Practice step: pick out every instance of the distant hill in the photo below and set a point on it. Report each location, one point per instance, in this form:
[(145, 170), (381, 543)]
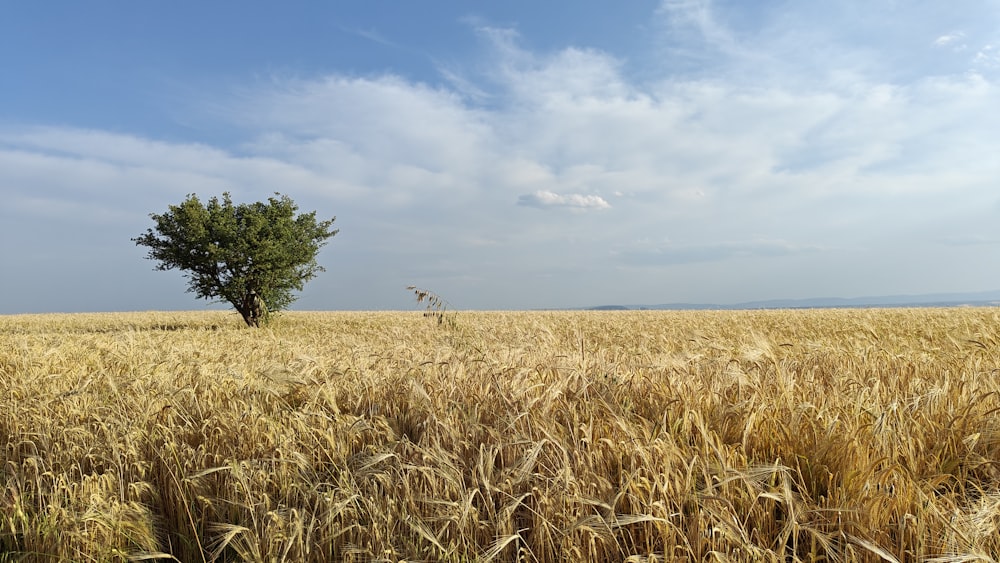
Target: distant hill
[(980, 299)]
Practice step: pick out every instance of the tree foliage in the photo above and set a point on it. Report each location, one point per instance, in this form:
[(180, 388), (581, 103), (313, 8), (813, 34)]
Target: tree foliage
[(250, 255)]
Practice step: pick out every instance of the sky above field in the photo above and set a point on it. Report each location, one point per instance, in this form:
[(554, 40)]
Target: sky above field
[(515, 154)]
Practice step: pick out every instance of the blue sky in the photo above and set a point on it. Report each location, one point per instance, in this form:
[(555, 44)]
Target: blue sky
[(510, 154)]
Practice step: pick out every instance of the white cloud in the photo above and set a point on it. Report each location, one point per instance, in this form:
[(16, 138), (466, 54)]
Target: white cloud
[(110, 148), (700, 16), (545, 198), (383, 117), (951, 39), (988, 56)]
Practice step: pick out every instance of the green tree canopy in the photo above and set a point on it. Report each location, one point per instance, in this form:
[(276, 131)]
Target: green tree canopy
[(250, 255)]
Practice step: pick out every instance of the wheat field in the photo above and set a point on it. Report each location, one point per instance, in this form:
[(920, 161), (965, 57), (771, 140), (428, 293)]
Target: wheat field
[(813, 435)]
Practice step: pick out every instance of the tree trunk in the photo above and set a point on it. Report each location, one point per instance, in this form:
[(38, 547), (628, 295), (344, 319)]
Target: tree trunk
[(252, 309), (249, 318)]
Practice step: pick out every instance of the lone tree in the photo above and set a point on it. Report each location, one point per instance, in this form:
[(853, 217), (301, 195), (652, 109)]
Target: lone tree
[(251, 255)]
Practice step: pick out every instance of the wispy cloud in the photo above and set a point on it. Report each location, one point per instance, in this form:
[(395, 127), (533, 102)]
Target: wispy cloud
[(371, 35), (988, 56), (954, 40), (973, 240), (674, 254), (699, 15)]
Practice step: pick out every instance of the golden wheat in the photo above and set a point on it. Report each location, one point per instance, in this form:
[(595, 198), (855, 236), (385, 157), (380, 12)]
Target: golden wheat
[(834, 435)]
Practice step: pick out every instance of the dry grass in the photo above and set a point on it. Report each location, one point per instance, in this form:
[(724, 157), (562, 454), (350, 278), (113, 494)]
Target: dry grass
[(618, 436)]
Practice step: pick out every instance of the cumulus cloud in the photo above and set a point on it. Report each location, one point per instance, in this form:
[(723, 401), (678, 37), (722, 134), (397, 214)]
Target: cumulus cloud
[(546, 199)]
